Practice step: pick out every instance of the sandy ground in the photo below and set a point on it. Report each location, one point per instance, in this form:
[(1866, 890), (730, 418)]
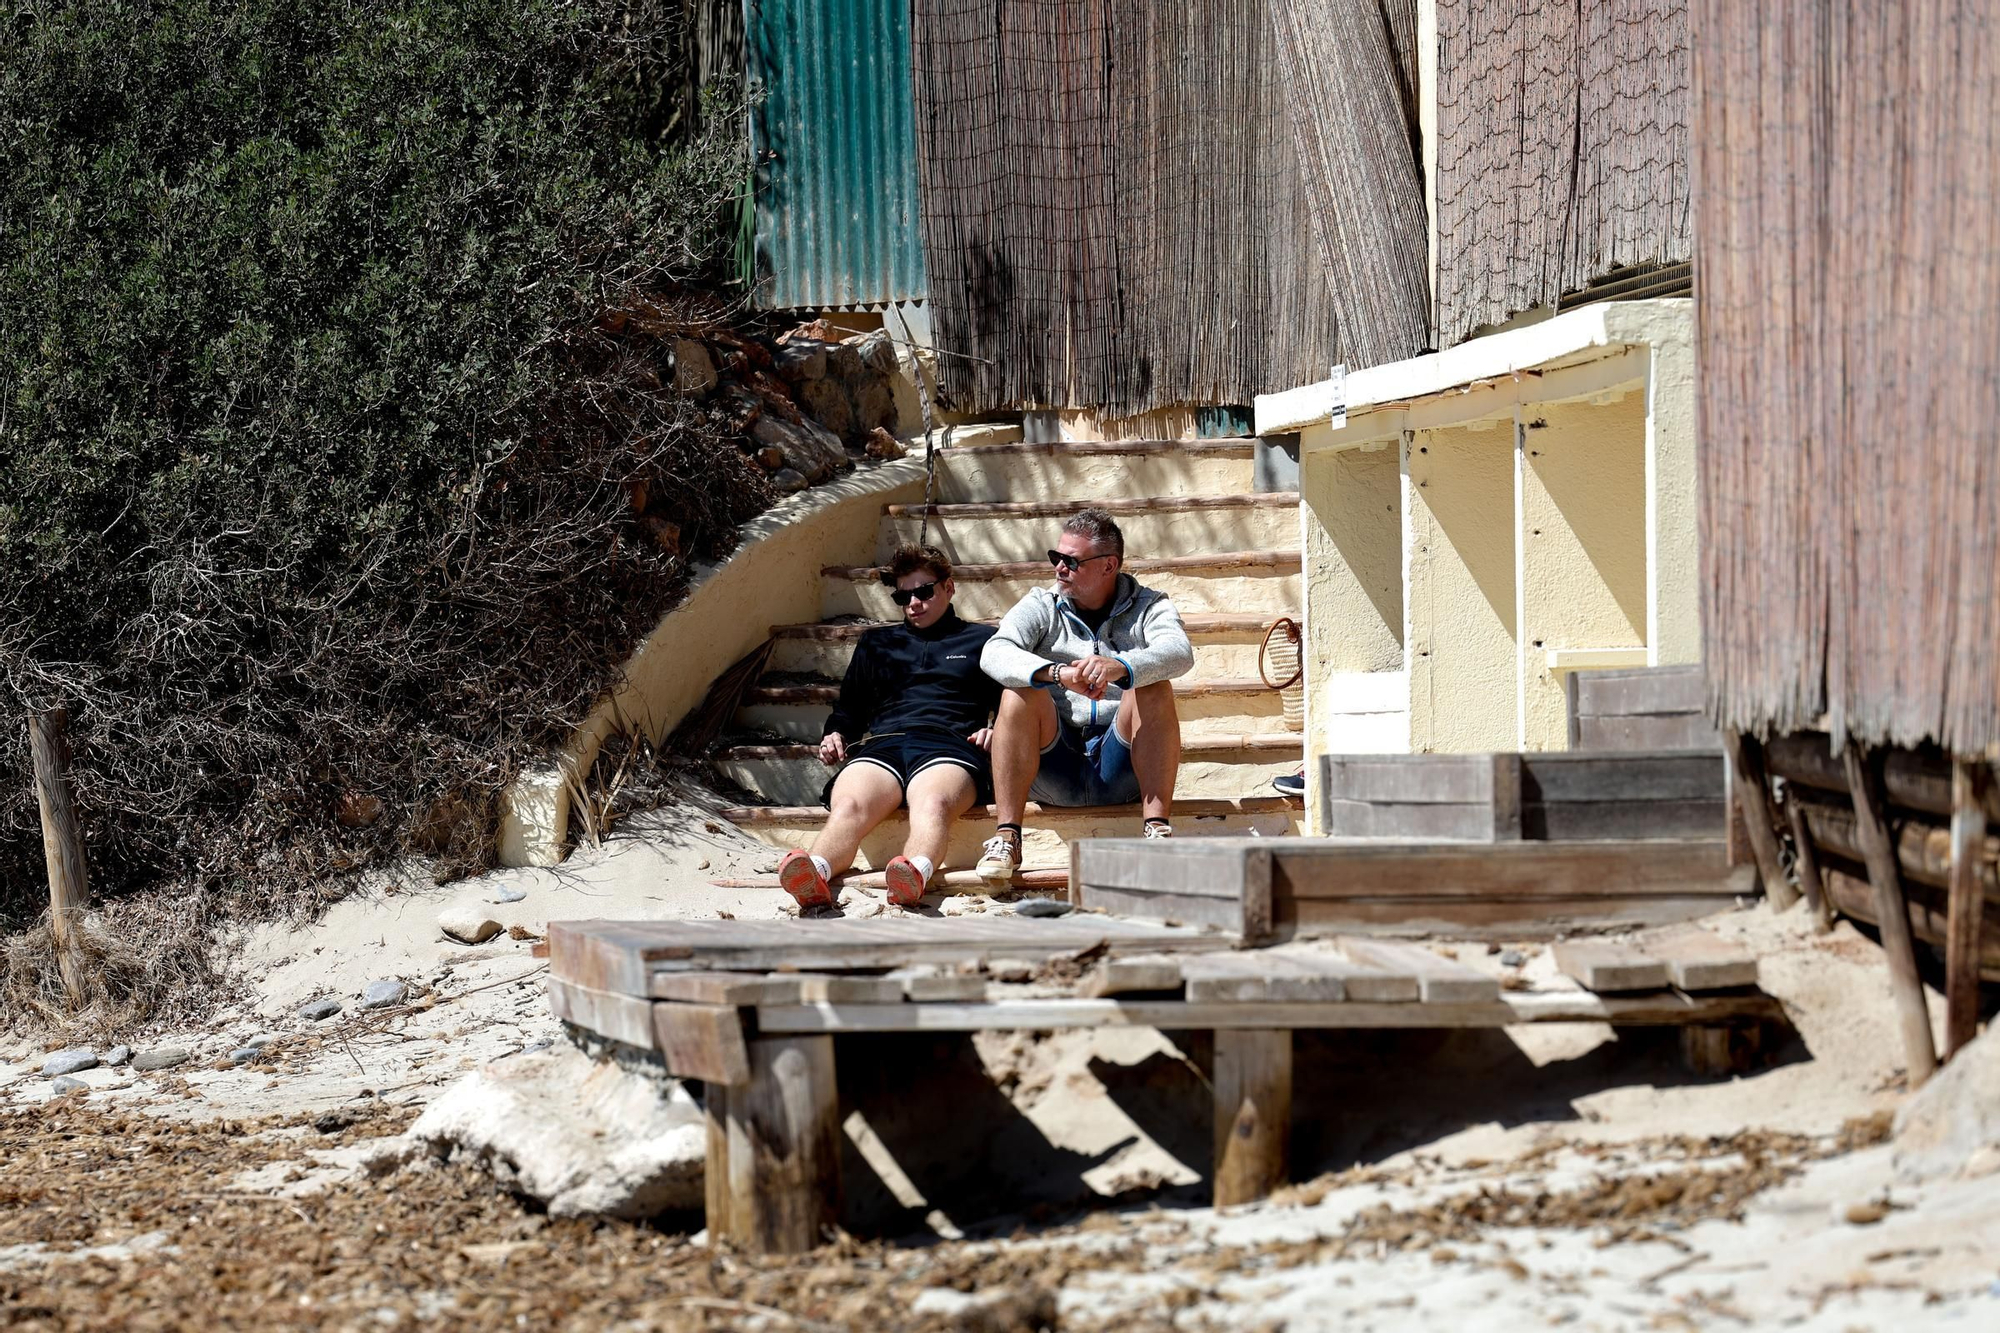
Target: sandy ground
[(1534, 1178)]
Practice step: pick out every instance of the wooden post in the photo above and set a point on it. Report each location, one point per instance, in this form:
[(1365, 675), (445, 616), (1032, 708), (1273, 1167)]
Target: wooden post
[(715, 1172), (1253, 1112), (1817, 901), (780, 1173), (1746, 762), (1965, 905), (1892, 916), (62, 844)]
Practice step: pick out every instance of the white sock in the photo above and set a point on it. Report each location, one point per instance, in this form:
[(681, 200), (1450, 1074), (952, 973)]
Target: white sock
[(924, 867), (825, 870)]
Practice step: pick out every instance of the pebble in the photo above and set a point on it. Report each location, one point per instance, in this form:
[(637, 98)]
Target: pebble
[(1513, 958), (381, 994), (506, 893), (164, 1058), (243, 1055), (332, 1122), (117, 1056), (319, 1009), (468, 923), (1866, 1213), (68, 1084), (71, 1061), (1042, 907)]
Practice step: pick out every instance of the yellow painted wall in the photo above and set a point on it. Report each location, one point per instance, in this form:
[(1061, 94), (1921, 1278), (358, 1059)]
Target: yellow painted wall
[(1675, 632), (1583, 545), (1352, 552), (1459, 536)]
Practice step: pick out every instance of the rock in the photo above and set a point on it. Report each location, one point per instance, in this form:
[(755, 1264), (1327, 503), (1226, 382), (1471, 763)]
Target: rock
[(468, 923), (874, 405), (68, 1084), (1863, 1214), (694, 368), (1512, 958), (243, 1055), (582, 1136), (826, 402), (507, 893), (382, 994), (788, 481), (807, 447), (801, 360), (319, 1009), (1954, 1115), (770, 458), (1983, 1162), (164, 1058), (881, 444), (74, 1060), (878, 352), (843, 362), (995, 1310), (116, 1056), (332, 1122), (1042, 907)]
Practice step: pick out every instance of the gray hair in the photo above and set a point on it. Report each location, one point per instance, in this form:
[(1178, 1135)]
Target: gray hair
[(1096, 527)]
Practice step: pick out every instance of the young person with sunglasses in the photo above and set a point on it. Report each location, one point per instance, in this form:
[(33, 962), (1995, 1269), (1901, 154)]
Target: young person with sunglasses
[(910, 728), (1088, 714)]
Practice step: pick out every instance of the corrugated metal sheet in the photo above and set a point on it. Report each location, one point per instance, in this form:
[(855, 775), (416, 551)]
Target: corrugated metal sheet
[(837, 214), (1846, 323)]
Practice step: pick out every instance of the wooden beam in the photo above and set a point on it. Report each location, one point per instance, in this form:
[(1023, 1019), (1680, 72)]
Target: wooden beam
[(1253, 1113), (1746, 760), (62, 846), (1697, 959), (780, 1174), (1600, 965), (703, 1041), (1807, 863), (1892, 915), (1966, 903)]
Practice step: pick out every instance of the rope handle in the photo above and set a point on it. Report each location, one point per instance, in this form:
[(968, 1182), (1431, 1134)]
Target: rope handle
[(1292, 632)]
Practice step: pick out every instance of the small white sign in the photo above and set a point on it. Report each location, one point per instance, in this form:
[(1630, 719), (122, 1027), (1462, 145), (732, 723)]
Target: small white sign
[(1336, 384)]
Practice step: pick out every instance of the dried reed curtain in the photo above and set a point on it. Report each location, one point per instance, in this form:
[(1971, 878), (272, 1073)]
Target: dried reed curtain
[(1350, 73), (1848, 163), (1113, 212), (1562, 149)]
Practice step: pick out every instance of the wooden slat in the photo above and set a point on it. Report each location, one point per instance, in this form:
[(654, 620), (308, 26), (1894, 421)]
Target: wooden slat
[(1965, 902), (1443, 779), (1622, 777), (1811, 882), (703, 1041), (780, 1139), (1406, 820), (1753, 796), (624, 1018), (1266, 975), (822, 989), (1220, 447), (1221, 562), (1125, 976), (930, 983), (1891, 915), (1571, 821), (1641, 690), (1599, 965), (1697, 960), (736, 988), (1671, 731), (1440, 980), (1154, 504), (1316, 868)]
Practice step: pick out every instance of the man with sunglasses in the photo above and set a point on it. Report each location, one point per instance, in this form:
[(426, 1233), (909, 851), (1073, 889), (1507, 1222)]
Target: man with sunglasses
[(1088, 714), (910, 727)]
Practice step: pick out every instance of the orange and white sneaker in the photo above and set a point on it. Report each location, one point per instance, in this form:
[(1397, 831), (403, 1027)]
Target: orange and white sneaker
[(906, 882), (798, 876)]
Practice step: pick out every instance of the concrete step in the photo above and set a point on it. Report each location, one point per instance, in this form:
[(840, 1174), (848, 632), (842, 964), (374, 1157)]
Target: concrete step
[(1019, 472), (1229, 705), (1211, 767), (1225, 643), (1047, 830), (1004, 532), (1254, 582)]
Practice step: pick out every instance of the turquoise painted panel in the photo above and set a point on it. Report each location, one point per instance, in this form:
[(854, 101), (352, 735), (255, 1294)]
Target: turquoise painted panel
[(835, 138)]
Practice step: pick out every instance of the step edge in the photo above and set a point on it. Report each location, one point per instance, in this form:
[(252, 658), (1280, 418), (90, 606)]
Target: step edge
[(1192, 808), (1158, 504), (1281, 559)]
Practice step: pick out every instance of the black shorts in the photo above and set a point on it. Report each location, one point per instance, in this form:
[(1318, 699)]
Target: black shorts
[(908, 753)]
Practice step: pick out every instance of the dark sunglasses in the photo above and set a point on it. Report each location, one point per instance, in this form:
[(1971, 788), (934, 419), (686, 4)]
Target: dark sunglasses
[(904, 596), (1072, 563)]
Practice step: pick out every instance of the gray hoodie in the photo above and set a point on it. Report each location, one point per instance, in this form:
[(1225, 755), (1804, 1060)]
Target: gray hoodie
[(1143, 631)]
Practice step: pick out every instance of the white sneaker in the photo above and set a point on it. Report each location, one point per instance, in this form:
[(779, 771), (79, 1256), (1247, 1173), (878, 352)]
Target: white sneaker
[(1152, 831), (999, 859)]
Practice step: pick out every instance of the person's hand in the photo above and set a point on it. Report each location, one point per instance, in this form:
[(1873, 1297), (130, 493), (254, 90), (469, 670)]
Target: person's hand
[(983, 738), (1094, 674), (833, 750)]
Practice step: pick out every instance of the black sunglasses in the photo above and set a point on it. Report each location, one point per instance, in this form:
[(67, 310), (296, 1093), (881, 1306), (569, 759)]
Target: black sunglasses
[(904, 596), (1072, 563)]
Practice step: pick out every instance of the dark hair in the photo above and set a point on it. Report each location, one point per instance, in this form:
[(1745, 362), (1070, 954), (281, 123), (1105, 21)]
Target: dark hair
[(911, 558), (1097, 527)]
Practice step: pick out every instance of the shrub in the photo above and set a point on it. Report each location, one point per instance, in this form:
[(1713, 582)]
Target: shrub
[(325, 427)]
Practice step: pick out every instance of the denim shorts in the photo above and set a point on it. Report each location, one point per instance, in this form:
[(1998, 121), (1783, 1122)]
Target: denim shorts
[(1080, 768)]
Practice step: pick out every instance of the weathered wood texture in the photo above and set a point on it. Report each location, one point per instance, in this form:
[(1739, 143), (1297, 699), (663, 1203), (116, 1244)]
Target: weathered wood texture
[(1562, 150), (1205, 882), (62, 845), (1753, 799), (700, 1041), (780, 1138), (1891, 916), (1925, 908), (1967, 903), (1091, 174), (1811, 883), (1845, 156), (1601, 965), (1253, 1113), (1644, 708), (1917, 779)]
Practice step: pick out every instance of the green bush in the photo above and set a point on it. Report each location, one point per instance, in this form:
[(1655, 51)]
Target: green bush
[(321, 421)]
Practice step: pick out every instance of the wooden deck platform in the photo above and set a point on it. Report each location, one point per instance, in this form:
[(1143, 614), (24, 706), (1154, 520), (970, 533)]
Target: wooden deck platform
[(753, 1009)]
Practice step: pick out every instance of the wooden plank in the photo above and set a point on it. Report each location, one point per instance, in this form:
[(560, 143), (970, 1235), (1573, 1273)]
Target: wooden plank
[(1711, 1050), (782, 1158), (1440, 980), (1663, 689), (1509, 786), (1644, 731), (1892, 916), (1315, 868), (823, 989), (1509, 919), (1437, 779), (1158, 504), (703, 1041), (715, 1174), (1568, 821), (1929, 913), (622, 1018), (1259, 911), (62, 847), (1697, 960), (1600, 965), (1125, 976), (1910, 780), (1253, 1113), (1806, 862), (1645, 1009), (1965, 902), (1186, 870), (1746, 758), (1406, 820), (1692, 776), (1259, 975), (734, 988)]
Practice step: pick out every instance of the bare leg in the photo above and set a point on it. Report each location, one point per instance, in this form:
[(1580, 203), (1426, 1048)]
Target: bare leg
[(1151, 725), (1025, 724), (938, 796), (863, 796)]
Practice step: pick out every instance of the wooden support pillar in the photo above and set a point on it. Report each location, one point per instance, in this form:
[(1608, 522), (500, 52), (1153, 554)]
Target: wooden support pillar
[(62, 845), (1710, 1050), (1810, 880), (1753, 795), (1253, 1112), (1892, 915), (776, 1186), (1965, 905)]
